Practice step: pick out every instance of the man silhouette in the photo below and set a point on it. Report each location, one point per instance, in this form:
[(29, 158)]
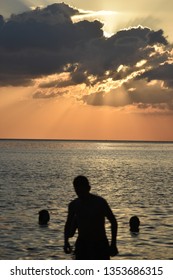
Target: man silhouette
[(87, 213)]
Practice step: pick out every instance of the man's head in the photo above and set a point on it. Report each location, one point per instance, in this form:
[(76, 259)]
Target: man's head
[(81, 186), (44, 217), (134, 224)]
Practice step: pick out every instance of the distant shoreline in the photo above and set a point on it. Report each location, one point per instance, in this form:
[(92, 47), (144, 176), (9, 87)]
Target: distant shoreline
[(87, 140)]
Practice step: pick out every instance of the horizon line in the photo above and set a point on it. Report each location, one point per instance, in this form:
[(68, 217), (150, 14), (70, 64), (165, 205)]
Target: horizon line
[(86, 140)]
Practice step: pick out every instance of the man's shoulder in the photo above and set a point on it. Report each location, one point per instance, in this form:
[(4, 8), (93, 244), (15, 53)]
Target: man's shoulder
[(74, 202), (98, 198)]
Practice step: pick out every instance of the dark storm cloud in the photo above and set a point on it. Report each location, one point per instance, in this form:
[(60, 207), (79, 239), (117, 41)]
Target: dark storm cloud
[(157, 37), (1, 22), (42, 42), (162, 72), (126, 47), (47, 29), (46, 41)]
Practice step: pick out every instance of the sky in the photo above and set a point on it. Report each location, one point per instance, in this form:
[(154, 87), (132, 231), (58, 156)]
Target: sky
[(94, 70)]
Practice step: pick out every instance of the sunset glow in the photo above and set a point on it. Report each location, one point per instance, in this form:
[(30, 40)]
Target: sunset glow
[(83, 71)]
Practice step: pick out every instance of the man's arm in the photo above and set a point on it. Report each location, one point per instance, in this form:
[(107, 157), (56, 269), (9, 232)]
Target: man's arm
[(114, 228), (68, 230)]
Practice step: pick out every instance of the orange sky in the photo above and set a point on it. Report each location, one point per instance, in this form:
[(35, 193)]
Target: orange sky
[(24, 117)]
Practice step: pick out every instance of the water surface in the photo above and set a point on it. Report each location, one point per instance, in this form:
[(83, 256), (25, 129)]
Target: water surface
[(135, 178)]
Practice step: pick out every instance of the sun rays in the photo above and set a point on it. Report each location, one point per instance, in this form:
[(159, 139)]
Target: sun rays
[(85, 70)]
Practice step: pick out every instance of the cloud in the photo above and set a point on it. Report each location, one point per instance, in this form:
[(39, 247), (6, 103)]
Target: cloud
[(44, 42), (47, 95), (143, 96), (163, 72), (114, 98), (156, 37), (2, 22)]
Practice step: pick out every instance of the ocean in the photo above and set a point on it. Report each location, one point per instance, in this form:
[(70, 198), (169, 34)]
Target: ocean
[(136, 178)]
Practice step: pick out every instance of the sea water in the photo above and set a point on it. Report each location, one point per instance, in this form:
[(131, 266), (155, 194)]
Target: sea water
[(136, 178)]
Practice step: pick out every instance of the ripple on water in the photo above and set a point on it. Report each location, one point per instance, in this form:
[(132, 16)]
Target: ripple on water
[(135, 179)]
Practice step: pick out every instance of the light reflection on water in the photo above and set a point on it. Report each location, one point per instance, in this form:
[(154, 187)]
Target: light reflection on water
[(134, 178)]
